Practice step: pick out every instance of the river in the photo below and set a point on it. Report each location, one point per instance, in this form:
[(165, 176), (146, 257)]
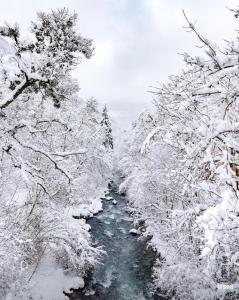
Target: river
[(126, 270)]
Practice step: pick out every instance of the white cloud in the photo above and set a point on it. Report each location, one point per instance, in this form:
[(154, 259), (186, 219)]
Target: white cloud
[(136, 41), (103, 54), (165, 15)]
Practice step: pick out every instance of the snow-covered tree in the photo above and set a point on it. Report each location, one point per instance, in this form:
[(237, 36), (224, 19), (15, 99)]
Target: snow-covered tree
[(42, 63), (47, 153), (106, 125), (183, 182)]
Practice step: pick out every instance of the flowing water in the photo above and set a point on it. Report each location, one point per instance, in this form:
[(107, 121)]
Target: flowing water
[(126, 271)]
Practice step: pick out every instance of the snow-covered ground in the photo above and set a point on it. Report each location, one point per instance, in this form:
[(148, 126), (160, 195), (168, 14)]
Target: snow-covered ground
[(48, 283)]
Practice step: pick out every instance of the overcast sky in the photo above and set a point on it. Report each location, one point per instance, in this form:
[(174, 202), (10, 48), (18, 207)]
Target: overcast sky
[(137, 43)]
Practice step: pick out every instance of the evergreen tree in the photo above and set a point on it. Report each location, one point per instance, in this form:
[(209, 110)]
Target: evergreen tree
[(105, 123), (41, 65)]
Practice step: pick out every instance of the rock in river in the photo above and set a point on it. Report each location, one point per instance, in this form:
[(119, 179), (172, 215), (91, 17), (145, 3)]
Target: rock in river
[(134, 231)]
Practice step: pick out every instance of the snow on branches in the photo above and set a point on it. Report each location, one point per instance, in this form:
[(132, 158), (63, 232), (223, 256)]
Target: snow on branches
[(40, 65), (183, 175), (52, 162)]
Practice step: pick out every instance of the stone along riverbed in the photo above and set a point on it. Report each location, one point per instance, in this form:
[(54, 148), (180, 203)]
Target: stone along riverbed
[(126, 270)]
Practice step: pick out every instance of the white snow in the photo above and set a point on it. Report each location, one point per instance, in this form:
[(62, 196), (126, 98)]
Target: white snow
[(48, 283), (134, 231)]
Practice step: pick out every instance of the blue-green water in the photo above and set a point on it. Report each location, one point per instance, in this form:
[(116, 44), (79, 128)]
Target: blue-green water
[(126, 271)]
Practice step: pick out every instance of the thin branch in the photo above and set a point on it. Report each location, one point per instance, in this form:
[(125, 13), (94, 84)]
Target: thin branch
[(212, 52)]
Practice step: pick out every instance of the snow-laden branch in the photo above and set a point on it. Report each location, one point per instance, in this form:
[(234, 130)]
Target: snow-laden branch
[(211, 50), (47, 155), (148, 139), (27, 82), (13, 95), (206, 93), (70, 153)]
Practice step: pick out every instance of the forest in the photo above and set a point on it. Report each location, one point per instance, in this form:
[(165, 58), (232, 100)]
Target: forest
[(89, 212)]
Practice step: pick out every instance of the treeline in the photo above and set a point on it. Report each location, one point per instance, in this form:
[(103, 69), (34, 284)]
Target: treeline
[(182, 175)]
